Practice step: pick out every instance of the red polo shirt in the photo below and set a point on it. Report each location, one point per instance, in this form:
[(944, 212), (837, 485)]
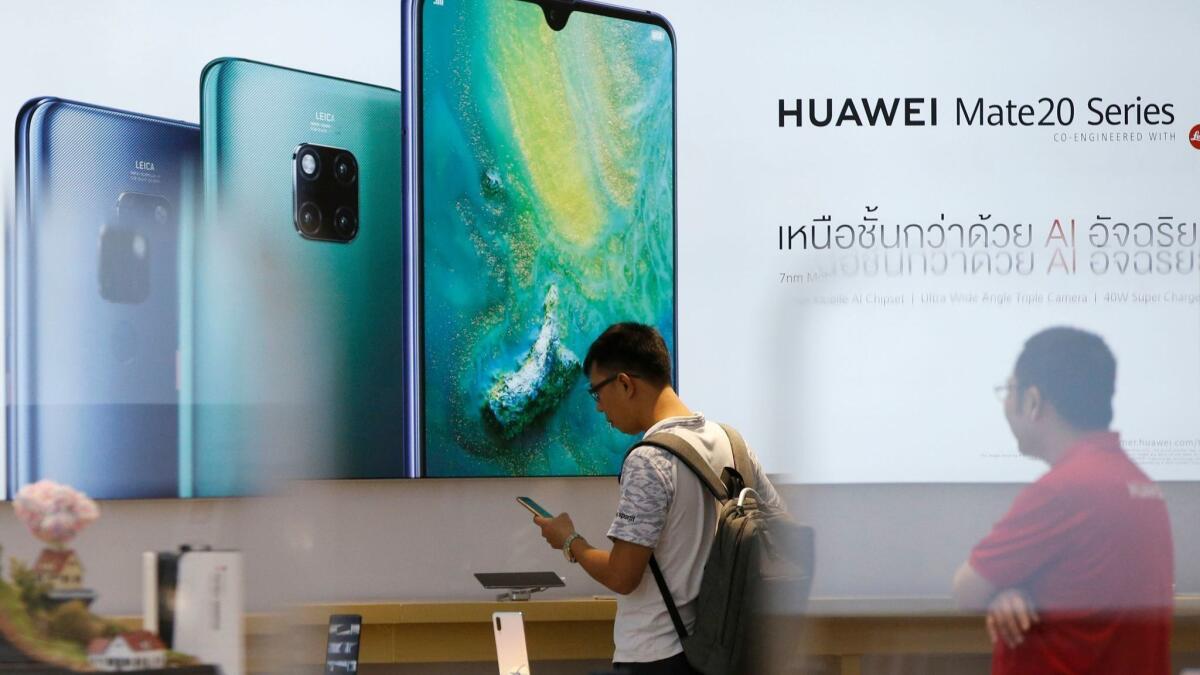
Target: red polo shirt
[(1090, 543)]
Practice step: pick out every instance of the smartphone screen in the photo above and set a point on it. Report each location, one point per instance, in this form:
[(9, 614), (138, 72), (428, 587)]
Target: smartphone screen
[(545, 212), (341, 650)]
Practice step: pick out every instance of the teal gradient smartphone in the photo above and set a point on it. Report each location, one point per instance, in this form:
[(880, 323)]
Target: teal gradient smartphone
[(534, 507), (294, 334)]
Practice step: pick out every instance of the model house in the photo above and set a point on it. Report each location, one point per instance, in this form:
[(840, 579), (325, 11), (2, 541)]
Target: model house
[(133, 650), (60, 568)]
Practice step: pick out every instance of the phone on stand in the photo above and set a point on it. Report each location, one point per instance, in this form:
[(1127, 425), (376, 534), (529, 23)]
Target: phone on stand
[(341, 649), (511, 654)]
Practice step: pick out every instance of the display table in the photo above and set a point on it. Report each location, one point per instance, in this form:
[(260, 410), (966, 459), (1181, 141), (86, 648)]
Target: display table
[(421, 632), (842, 630), (430, 632)]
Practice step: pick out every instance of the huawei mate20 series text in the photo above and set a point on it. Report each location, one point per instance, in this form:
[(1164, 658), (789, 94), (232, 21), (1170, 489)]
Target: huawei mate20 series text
[(295, 356), (102, 197), (541, 150)]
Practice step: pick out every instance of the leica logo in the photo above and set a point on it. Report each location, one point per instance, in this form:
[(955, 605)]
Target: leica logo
[(143, 165), (325, 116)]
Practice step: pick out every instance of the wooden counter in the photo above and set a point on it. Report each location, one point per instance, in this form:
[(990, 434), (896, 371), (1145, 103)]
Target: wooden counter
[(427, 632), (462, 631)]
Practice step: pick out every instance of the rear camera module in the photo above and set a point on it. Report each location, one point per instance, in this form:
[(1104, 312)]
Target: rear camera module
[(310, 163), (346, 222), (345, 168), (124, 265), (126, 248), (308, 218), (325, 193)]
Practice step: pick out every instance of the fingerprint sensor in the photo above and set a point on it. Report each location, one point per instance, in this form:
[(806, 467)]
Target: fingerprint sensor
[(124, 342)]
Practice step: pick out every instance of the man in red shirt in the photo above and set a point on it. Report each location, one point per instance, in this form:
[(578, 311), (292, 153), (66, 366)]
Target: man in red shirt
[(1078, 576)]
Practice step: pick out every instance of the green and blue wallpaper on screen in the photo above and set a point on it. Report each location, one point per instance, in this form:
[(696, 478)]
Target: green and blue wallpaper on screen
[(547, 214)]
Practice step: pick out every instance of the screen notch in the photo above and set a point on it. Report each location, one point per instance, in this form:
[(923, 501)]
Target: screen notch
[(557, 12)]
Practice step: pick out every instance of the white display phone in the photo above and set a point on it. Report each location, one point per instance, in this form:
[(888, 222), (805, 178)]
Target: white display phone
[(511, 655), (209, 609)]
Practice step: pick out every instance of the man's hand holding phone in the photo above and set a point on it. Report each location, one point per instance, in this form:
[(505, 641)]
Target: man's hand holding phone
[(555, 529)]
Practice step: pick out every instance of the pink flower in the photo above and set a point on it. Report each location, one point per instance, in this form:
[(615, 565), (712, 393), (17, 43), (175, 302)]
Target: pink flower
[(54, 513)]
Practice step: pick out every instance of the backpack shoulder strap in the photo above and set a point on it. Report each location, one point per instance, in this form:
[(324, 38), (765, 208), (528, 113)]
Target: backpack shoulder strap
[(688, 455), (741, 456), (704, 471), (672, 610)]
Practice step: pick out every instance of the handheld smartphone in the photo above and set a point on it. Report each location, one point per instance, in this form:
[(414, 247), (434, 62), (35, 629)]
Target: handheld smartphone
[(92, 322), (511, 653), (541, 192), (341, 648), (295, 361), (534, 507)]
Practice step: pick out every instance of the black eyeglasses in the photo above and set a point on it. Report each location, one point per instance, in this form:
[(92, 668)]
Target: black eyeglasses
[(594, 390)]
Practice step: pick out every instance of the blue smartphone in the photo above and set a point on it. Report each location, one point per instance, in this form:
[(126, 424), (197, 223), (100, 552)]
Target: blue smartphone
[(92, 322), (534, 507), (294, 351), (541, 194)]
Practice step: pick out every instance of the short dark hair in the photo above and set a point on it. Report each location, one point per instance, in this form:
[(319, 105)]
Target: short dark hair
[(1074, 370), (631, 348)]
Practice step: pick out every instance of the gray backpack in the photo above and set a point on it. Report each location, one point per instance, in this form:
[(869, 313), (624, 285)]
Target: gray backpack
[(761, 563)]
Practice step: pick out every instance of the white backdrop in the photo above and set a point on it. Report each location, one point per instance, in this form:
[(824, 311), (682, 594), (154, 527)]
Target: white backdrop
[(877, 393)]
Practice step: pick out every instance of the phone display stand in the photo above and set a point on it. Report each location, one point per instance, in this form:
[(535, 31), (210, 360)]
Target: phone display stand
[(518, 594), (519, 586)]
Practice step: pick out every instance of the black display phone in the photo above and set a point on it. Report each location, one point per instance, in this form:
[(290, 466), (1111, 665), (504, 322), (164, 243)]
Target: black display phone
[(341, 650), (502, 580)]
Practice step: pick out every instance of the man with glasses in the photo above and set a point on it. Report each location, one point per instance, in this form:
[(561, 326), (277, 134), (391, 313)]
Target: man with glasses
[(662, 510), (1077, 577)]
